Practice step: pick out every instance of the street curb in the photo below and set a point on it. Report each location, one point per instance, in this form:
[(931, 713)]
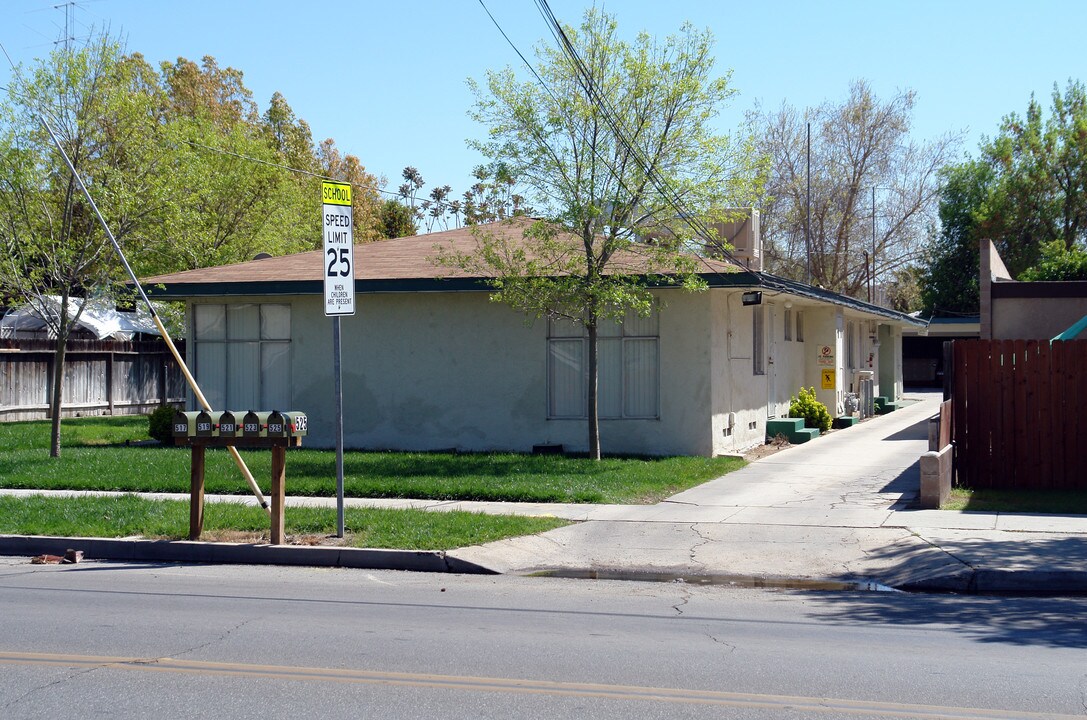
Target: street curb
[(969, 582), (240, 554), (1003, 582), (976, 582)]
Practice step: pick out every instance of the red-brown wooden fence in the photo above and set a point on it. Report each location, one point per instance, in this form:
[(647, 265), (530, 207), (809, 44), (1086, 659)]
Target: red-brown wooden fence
[(1020, 413)]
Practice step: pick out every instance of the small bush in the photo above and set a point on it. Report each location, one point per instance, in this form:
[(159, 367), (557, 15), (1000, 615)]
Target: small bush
[(815, 413), (160, 424)]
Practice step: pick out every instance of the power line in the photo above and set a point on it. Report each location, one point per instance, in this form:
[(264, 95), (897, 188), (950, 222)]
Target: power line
[(595, 97), (581, 73)]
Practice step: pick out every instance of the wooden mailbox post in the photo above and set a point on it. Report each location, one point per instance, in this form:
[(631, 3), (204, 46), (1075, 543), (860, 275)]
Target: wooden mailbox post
[(274, 430)]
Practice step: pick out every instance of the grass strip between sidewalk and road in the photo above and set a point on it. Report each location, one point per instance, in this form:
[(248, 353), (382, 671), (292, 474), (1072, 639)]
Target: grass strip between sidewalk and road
[(129, 516), (94, 457), (1062, 502)]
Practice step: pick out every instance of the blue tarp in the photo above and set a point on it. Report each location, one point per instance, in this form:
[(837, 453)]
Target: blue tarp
[(1073, 332)]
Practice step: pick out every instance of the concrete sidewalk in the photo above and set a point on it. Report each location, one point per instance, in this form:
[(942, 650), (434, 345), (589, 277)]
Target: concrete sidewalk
[(835, 509), (832, 509)]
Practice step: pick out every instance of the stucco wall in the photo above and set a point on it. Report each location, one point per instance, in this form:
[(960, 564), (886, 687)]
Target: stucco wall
[(739, 396), (1023, 318), (823, 326), (426, 371), (446, 370), (788, 372)]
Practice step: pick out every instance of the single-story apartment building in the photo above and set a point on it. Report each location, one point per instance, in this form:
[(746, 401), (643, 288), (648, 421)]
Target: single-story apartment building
[(430, 362)]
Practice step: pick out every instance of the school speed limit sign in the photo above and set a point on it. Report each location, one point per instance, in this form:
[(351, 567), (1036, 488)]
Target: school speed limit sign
[(339, 259)]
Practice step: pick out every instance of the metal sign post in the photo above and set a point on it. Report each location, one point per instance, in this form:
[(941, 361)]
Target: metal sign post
[(339, 271)]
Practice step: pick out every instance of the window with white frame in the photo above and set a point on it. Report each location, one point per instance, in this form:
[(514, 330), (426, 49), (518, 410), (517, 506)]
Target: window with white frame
[(628, 374), (242, 355), (799, 326), (758, 340), (788, 324)]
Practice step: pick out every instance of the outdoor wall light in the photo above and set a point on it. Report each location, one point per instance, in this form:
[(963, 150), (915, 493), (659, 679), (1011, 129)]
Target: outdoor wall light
[(752, 298)]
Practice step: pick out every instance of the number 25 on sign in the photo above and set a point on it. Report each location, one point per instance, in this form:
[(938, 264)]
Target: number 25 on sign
[(339, 246)]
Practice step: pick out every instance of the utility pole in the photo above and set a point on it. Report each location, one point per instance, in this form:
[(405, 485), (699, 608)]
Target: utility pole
[(872, 292), (807, 212)]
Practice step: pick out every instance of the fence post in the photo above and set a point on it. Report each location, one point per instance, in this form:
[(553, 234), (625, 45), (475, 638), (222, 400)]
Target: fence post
[(109, 382)]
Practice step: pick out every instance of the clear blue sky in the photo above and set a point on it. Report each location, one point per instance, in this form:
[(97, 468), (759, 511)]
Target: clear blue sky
[(387, 79)]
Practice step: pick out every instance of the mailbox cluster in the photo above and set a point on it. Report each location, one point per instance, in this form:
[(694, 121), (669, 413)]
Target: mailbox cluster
[(227, 424), (273, 430)]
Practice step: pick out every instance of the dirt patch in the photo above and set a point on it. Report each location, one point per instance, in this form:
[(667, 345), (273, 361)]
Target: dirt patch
[(766, 449), (256, 538)]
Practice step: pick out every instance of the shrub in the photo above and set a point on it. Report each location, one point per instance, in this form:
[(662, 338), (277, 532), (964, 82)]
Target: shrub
[(815, 413), (160, 424)]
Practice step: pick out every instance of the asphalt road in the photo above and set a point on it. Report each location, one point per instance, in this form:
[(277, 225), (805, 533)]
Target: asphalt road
[(167, 641)]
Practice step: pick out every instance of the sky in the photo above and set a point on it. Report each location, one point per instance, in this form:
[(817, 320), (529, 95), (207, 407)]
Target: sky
[(387, 80)]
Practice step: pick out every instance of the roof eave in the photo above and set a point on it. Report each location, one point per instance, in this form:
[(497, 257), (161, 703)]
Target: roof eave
[(753, 279)]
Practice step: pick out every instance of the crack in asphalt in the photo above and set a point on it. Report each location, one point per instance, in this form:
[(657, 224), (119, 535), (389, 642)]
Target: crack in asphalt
[(59, 681), (220, 638), (694, 548), (719, 641), (684, 600)]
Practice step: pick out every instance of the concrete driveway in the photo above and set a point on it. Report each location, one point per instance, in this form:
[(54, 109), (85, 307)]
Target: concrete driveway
[(836, 508)]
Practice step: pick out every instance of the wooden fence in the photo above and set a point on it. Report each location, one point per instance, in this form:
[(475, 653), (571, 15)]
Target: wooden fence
[(101, 377), (1019, 415)]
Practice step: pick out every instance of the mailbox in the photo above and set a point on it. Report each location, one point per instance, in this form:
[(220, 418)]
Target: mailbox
[(297, 423), (185, 424), (226, 424), (255, 424), (205, 426), (276, 425)]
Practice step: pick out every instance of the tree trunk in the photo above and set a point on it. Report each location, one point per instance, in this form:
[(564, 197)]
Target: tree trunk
[(594, 415), (55, 402)]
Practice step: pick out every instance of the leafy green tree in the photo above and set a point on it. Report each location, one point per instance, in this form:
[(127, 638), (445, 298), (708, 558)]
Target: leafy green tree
[(604, 147), (366, 205), (1039, 188), (397, 220), (1058, 262), (208, 90), (231, 196), (950, 273), (52, 242), (1027, 192)]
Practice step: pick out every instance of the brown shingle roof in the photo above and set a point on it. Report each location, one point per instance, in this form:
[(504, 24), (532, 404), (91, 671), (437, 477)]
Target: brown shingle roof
[(400, 259), (407, 265)]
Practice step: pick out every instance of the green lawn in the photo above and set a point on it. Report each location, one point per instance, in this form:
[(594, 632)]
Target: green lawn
[(91, 459), (133, 516), (1065, 502)]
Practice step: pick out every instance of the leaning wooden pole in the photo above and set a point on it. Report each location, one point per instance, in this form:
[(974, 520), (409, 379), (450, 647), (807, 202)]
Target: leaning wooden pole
[(154, 315)]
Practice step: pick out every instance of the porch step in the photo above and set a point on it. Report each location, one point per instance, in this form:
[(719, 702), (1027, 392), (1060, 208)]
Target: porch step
[(845, 421), (803, 435), (792, 428), (783, 426)]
